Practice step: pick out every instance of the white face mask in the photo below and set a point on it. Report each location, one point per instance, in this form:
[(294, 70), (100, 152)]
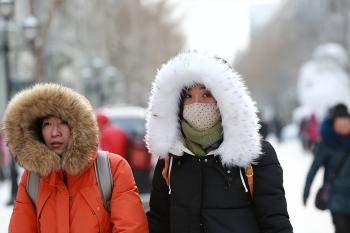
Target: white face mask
[(201, 116)]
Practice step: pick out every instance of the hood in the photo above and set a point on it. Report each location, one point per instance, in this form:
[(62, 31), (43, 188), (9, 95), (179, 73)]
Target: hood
[(330, 137), (22, 138), (241, 144), (102, 119)]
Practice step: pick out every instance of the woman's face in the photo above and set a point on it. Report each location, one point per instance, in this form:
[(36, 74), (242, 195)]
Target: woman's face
[(198, 94), (56, 134), (342, 125)]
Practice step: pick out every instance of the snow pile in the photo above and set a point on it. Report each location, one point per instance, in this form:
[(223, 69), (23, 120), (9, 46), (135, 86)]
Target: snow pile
[(323, 81)]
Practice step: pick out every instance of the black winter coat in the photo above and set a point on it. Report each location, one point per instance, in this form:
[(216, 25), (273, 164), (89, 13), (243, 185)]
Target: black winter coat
[(209, 198)]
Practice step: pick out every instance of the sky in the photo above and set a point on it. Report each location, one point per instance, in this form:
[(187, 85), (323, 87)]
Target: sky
[(220, 27)]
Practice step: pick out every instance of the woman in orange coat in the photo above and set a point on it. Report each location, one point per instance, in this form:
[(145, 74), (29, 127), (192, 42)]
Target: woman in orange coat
[(52, 130)]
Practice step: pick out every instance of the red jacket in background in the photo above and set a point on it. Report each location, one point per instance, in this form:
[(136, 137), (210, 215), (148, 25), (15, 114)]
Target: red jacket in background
[(112, 138), (311, 129)]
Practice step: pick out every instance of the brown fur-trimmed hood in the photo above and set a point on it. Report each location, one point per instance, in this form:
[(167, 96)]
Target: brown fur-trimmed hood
[(24, 110)]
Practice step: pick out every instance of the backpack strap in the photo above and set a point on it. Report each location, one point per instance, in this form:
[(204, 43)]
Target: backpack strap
[(33, 187), (249, 174), (104, 177)]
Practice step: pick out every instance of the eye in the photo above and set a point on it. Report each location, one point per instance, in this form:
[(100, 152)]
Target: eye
[(207, 94), (46, 123), (64, 123), (188, 96)]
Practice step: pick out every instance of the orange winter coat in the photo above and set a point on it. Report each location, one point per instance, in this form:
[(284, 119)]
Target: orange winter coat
[(77, 205), (69, 200)]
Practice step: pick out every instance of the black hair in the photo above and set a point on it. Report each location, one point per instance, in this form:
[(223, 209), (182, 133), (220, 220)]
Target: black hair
[(37, 129), (181, 102), (182, 99), (339, 110)]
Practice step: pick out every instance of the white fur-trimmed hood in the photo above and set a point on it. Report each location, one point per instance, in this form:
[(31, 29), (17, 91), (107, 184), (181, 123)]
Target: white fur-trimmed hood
[(241, 144)]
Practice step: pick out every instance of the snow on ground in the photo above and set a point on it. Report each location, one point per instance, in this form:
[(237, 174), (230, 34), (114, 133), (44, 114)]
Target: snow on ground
[(295, 165), (5, 212)]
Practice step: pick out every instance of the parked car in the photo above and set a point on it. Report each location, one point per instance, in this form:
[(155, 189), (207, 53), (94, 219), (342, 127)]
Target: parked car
[(132, 120)]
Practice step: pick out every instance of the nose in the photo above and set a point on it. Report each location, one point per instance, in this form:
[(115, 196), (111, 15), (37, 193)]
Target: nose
[(55, 131), (197, 98)]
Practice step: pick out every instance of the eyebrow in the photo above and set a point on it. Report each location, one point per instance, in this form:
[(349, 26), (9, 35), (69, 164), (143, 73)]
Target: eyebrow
[(43, 122), (202, 88)]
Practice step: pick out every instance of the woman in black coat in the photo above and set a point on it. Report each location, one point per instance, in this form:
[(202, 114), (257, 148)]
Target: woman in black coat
[(202, 124), (331, 152)]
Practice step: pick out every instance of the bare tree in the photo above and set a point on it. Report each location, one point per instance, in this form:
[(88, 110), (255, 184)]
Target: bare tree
[(129, 34), (271, 64), (43, 36)]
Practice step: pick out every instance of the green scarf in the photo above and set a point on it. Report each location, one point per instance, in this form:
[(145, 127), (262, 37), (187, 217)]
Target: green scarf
[(197, 140)]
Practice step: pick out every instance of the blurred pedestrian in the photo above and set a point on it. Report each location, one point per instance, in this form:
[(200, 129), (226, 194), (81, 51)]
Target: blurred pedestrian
[(2, 157), (6, 161), (14, 181), (309, 132), (132, 147), (112, 138), (277, 127), (52, 130), (332, 153), (203, 125), (264, 127), (139, 159)]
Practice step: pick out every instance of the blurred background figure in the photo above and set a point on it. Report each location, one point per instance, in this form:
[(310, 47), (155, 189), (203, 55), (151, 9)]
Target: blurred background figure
[(112, 138), (122, 128), (140, 161), (264, 127), (276, 126), (332, 153), (309, 132), (323, 80), (14, 181), (2, 158), (8, 165)]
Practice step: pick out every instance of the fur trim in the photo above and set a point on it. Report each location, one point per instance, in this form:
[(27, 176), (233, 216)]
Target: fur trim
[(50, 99), (241, 145)]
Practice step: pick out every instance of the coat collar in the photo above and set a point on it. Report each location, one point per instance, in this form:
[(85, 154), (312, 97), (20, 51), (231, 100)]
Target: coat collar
[(241, 144)]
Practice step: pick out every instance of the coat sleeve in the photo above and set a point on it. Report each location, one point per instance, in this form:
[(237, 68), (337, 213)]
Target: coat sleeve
[(158, 215), (127, 213), (23, 217), (320, 155), (269, 196)]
